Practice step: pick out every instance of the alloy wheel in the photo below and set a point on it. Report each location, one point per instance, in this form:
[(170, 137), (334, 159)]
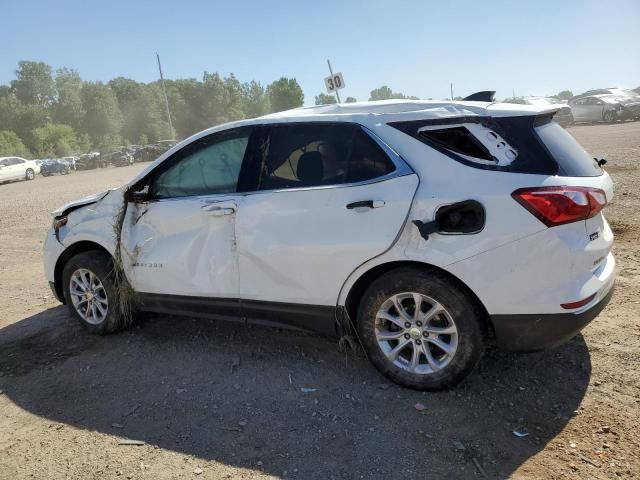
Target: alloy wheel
[(88, 296), (416, 333)]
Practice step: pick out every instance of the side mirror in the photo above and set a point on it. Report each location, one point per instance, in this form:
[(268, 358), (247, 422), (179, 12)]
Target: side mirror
[(140, 196)]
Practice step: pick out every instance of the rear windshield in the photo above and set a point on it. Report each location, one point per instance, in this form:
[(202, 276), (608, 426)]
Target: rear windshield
[(537, 143), (573, 160)]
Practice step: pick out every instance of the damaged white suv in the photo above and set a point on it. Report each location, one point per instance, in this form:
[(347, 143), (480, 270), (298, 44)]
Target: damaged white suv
[(430, 230)]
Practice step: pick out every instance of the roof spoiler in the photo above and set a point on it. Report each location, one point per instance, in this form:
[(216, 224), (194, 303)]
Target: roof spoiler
[(483, 96)]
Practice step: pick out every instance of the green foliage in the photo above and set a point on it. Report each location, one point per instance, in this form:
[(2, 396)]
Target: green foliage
[(285, 94), (350, 100), (518, 101), (68, 107), (142, 109), (255, 98), (102, 114), (325, 99), (10, 144), (563, 95), (34, 83), (54, 140), (385, 93)]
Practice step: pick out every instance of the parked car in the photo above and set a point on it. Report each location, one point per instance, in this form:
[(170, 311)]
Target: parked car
[(429, 229), (148, 153), (70, 161), (54, 166), (619, 92), (563, 116), (17, 168), (89, 161), (604, 108), (120, 158)]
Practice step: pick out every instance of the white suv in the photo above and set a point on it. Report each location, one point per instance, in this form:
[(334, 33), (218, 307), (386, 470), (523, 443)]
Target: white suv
[(430, 230), (16, 168)]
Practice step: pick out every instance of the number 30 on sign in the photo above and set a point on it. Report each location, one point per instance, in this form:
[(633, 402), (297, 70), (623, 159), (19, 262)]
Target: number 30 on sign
[(334, 82)]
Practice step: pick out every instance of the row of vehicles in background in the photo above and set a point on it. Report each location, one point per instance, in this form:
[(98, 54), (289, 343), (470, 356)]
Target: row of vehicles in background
[(18, 168), (600, 105), (123, 156)]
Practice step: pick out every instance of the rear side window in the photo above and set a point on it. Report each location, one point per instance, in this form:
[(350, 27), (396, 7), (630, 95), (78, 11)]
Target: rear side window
[(458, 139), (528, 146), (573, 160), (312, 154)]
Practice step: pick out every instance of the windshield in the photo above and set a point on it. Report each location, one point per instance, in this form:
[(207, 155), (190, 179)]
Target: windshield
[(573, 160)]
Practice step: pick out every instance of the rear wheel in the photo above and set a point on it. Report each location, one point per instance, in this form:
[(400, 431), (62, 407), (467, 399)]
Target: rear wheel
[(609, 117), (420, 329), (30, 174), (89, 292)]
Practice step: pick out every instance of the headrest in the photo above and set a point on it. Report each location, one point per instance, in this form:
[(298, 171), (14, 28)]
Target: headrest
[(310, 169)]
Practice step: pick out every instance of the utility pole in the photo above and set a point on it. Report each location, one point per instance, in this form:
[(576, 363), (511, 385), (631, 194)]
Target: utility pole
[(451, 84), (166, 100), (331, 73)]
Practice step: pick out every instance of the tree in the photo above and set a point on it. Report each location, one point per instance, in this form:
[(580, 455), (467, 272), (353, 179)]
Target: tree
[(142, 109), (563, 95), (54, 139), (255, 99), (350, 100), (285, 94), (10, 144), (385, 93), (637, 90), (325, 99), (102, 116), (34, 84), (516, 100), (68, 108)]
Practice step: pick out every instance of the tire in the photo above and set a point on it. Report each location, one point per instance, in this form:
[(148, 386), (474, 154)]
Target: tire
[(45, 174), (99, 264), (460, 317), (30, 174), (609, 117)]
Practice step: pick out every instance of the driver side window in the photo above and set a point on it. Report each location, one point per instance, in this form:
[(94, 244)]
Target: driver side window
[(209, 166)]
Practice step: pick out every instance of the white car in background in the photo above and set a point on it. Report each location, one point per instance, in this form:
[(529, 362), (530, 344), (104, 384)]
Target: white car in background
[(428, 229), (16, 168)]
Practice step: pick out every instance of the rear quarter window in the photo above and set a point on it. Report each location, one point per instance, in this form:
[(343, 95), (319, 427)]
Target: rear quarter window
[(540, 145), (573, 160)]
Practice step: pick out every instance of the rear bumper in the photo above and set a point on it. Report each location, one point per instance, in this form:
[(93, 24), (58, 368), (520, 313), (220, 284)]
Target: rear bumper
[(530, 333)]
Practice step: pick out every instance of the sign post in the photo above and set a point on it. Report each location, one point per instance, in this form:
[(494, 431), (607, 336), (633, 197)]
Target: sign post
[(334, 82)]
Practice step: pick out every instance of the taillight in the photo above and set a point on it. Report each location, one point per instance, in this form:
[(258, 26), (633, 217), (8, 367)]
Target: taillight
[(559, 205)]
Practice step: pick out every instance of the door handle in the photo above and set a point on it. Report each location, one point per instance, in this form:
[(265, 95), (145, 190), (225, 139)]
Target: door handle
[(217, 210), (366, 204)]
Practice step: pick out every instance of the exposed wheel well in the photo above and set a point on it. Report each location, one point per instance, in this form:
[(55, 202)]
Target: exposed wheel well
[(71, 251), (357, 290)]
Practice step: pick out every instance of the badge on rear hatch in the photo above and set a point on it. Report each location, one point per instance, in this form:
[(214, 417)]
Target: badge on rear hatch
[(593, 236)]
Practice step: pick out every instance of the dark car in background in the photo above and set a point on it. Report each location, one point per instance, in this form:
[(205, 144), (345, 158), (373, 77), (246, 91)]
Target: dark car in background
[(89, 161), (54, 166)]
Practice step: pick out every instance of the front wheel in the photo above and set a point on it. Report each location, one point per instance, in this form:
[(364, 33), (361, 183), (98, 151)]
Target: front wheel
[(30, 174), (90, 293), (420, 329)]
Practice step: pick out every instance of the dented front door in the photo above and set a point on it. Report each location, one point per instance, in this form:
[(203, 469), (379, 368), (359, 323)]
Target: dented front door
[(182, 246)]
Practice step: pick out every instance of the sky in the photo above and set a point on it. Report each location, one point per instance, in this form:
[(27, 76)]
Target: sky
[(415, 47)]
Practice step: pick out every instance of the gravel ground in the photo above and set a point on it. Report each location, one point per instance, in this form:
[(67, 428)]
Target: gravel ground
[(200, 399)]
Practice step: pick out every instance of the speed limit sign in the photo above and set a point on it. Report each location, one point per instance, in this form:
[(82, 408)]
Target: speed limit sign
[(334, 82)]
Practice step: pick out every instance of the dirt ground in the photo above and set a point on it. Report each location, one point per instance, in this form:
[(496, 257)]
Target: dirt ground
[(216, 400)]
